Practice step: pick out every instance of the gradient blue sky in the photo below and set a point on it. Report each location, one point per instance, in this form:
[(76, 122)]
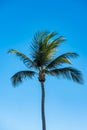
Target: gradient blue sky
[(66, 101)]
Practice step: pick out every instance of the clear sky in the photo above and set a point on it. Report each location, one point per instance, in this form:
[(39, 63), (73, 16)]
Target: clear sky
[(66, 101)]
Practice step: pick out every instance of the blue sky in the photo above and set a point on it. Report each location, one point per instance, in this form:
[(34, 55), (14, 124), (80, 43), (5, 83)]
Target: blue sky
[(66, 101)]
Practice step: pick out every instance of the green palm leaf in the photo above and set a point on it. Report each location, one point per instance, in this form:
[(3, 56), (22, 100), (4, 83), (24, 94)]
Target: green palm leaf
[(67, 72), (64, 58), (53, 44), (37, 41), (19, 76), (26, 60), (48, 38)]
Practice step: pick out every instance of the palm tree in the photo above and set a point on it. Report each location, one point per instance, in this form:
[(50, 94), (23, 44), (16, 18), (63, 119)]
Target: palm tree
[(43, 61)]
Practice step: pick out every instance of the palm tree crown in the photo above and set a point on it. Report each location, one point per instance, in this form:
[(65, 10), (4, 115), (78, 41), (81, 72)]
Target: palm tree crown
[(44, 46)]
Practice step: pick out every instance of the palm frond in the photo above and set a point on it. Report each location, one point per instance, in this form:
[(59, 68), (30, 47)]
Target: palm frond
[(19, 76), (37, 41), (64, 58), (48, 37), (53, 44), (26, 60), (67, 72)]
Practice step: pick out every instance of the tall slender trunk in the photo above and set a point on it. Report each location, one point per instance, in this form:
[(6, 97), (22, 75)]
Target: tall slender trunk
[(43, 107)]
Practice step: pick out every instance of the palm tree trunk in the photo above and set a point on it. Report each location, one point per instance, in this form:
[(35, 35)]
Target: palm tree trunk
[(42, 107)]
